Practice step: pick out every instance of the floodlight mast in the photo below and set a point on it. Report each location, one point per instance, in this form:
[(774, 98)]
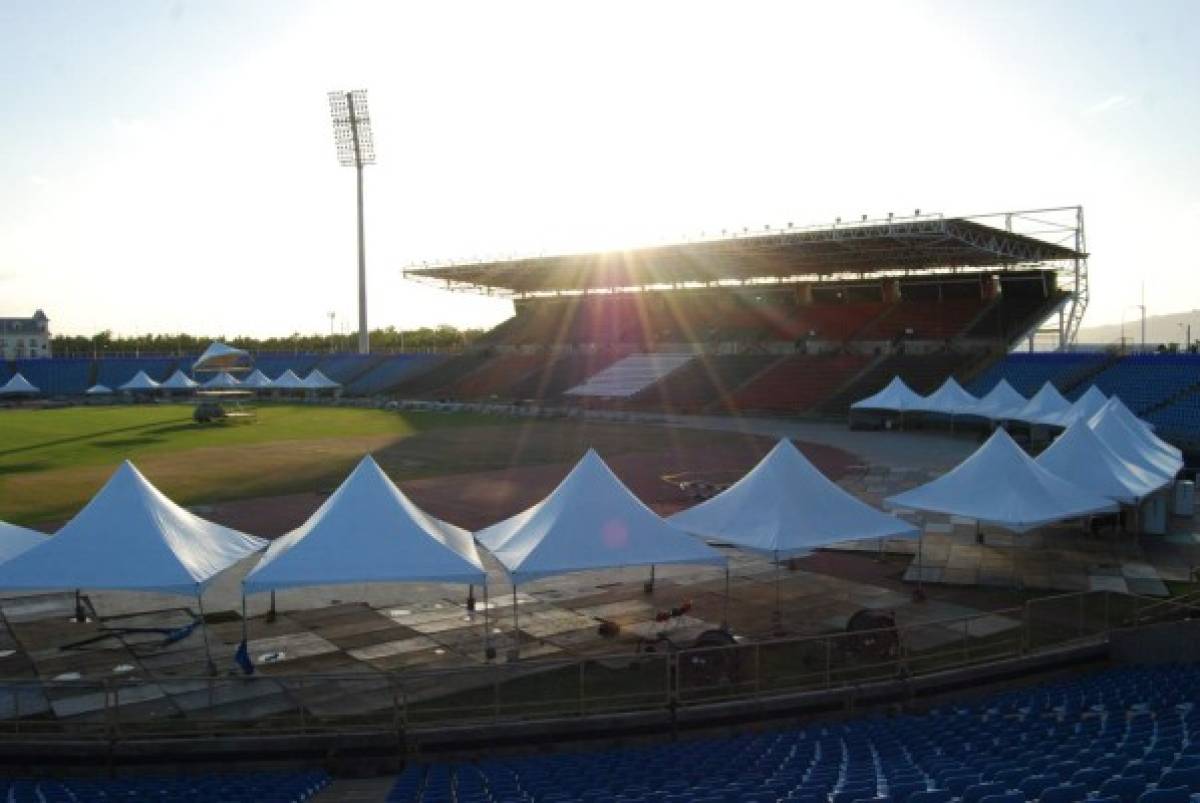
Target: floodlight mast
[(355, 147)]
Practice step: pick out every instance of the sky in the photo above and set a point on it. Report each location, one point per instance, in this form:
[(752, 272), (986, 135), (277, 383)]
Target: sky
[(169, 166)]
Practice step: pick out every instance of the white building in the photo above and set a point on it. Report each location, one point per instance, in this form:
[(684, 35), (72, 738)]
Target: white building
[(25, 338)]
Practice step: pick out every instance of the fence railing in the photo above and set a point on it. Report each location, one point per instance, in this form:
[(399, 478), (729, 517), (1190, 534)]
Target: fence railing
[(163, 706)]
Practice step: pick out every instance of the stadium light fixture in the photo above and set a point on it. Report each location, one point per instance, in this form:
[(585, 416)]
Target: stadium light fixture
[(355, 148)]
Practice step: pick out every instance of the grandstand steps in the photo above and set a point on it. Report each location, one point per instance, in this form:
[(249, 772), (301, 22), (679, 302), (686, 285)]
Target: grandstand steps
[(1082, 379), (440, 376), (355, 790), (849, 383), (630, 375), (1172, 399)]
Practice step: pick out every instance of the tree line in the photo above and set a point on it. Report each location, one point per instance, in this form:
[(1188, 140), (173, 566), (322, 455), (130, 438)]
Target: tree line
[(440, 338)]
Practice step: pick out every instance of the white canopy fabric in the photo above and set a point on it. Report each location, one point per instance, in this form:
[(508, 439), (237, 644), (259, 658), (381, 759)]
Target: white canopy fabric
[(18, 385), (220, 357), (1082, 409), (15, 540), (590, 521), (130, 537), (140, 381), (896, 397), (1136, 445), (179, 381), (1079, 456), (98, 390), (222, 381), (288, 381), (1001, 485), (368, 531), (1000, 403), (257, 379), (949, 399), (1044, 404), (318, 381), (785, 505), (1123, 412)]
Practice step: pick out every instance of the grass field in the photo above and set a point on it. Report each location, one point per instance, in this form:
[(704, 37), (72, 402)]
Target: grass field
[(53, 461)]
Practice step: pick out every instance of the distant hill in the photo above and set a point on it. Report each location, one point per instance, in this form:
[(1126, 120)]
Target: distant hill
[(1159, 329)]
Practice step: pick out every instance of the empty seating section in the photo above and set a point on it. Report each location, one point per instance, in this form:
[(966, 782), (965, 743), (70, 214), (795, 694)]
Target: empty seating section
[(926, 319), (630, 375), (1010, 316), (800, 382), (389, 372), (494, 377), (706, 380), (275, 364), (565, 372), (1129, 735), (1179, 420), (1146, 381), (259, 787), (440, 374), (116, 371), (57, 377), (1027, 372), (345, 368)]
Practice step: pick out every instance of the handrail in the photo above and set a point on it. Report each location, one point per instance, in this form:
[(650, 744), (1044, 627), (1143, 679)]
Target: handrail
[(573, 687)]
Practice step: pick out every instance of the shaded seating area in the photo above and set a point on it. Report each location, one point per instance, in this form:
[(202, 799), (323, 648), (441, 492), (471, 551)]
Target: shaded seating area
[(1125, 735)]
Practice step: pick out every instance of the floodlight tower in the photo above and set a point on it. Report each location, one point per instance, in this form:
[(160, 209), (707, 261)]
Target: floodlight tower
[(355, 148)]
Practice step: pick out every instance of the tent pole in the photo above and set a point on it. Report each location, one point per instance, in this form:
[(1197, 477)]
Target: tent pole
[(244, 638), (470, 596), (725, 613), (488, 652), (778, 608), (919, 595), (80, 613), (516, 650), (212, 668), (649, 586), (271, 613)]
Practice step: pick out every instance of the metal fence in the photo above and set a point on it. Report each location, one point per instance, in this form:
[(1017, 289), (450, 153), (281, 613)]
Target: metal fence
[(278, 704)]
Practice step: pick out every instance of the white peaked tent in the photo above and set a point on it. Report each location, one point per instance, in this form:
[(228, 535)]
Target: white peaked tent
[(179, 381), (140, 381), (1081, 409), (896, 397), (949, 399), (130, 537), (18, 386), (1119, 409), (220, 357), (15, 540), (98, 390), (1001, 485), (1047, 402), (1000, 403), (257, 379), (222, 381), (1134, 444), (784, 506), (288, 381), (590, 521), (1078, 455), (368, 531), (318, 381)]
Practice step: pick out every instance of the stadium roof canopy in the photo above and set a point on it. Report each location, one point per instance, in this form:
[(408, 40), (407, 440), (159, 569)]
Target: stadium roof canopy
[(902, 245)]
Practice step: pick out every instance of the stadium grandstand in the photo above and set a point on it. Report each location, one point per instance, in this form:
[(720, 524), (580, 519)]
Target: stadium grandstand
[(794, 320)]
